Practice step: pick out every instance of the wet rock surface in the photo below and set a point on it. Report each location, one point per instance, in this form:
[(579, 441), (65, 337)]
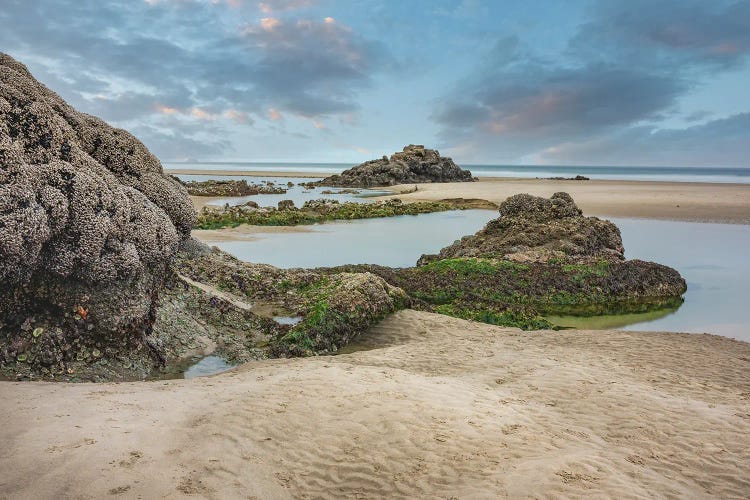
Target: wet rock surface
[(88, 223), (322, 210), (535, 229), (414, 164), (229, 188), (540, 257), (241, 302)]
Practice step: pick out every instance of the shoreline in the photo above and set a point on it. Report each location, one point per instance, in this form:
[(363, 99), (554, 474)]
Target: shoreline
[(243, 173), (678, 201), (430, 405), (244, 232)]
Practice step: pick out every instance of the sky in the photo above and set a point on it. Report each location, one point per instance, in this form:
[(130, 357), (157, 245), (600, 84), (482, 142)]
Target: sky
[(554, 82)]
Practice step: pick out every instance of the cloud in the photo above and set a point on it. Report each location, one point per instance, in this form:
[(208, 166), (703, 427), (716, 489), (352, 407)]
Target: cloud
[(311, 68), (673, 32), (641, 145), (624, 70), (269, 6), (197, 59), (269, 23), (274, 115)]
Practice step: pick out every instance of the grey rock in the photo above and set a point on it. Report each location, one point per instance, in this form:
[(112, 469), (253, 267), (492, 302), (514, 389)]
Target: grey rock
[(535, 229), (412, 165), (87, 217)]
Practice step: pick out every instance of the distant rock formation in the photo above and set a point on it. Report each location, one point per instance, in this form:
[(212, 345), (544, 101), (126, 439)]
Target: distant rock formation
[(576, 178), (534, 229), (88, 224), (229, 188), (414, 164)]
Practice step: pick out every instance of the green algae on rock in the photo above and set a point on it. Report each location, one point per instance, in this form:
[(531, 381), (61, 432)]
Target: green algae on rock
[(541, 257), (229, 188), (322, 210), (332, 308)]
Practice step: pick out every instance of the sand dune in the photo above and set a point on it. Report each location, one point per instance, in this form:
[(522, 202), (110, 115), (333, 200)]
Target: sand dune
[(433, 407)]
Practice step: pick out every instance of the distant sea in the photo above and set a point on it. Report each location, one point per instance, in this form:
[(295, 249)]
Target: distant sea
[(673, 174)]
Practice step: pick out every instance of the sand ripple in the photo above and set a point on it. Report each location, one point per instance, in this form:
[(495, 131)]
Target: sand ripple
[(437, 407)]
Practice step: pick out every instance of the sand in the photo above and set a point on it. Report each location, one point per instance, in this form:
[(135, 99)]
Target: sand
[(248, 173), (436, 408), (244, 232), (685, 201)]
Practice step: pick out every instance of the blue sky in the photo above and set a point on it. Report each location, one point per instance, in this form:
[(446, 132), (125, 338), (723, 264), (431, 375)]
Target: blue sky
[(615, 82)]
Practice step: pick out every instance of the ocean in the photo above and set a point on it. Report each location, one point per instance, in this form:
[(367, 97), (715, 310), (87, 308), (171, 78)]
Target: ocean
[(669, 174)]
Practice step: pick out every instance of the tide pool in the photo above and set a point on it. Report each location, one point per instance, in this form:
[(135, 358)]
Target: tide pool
[(711, 257)]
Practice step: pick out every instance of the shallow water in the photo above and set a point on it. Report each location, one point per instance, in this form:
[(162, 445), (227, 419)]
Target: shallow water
[(391, 241), (711, 257), (625, 172), (207, 366), (298, 194), (288, 320)]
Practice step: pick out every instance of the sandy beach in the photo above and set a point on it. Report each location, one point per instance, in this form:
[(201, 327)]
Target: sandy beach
[(245, 232), (437, 407), (686, 201), (250, 173)]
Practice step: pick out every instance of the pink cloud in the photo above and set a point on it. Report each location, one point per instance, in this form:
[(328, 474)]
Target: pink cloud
[(237, 116), (269, 23), (202, 114), (274, 115), (166, 110)]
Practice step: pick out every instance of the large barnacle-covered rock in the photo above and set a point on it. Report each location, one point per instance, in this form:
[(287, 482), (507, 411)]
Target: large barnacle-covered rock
[(88, 224)]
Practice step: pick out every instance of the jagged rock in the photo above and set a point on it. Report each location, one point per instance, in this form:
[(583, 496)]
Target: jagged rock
[(88, 224), (534, 229), (412, 165), (332, 309)]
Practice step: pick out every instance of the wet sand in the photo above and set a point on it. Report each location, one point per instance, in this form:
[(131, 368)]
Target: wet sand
[(251, 173), (437, 407), (686, 201), (245, 232)]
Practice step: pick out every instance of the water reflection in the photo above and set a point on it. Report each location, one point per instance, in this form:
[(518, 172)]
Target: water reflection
[(298, 194), (393, 241), (209, 365), (711, 257)]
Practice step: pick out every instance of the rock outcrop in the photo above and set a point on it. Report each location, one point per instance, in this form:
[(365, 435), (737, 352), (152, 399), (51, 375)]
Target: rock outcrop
[(88, 224), (295, 312), (229, 188), (414, 164), (541, 257), (534, 229)]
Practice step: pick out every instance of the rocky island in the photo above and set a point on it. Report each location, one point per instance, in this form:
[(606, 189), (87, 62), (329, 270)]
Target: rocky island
[(415, 164)]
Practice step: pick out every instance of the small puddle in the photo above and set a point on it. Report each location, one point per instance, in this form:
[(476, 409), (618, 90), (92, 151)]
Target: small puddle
[(209, 365), (287, 320)]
